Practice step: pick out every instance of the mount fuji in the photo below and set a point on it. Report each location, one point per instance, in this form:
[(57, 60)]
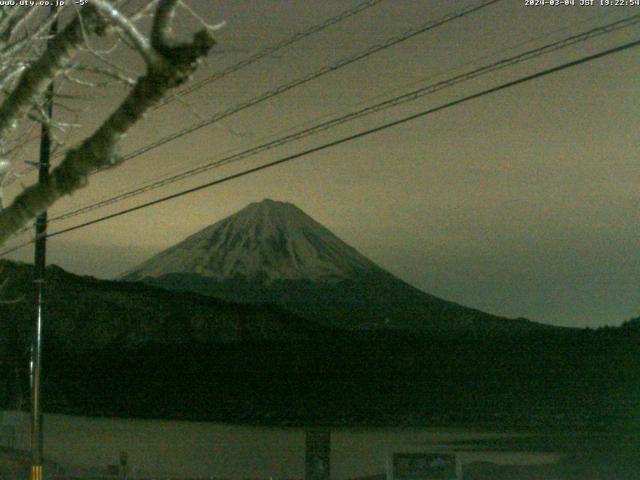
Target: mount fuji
[(273, 252)]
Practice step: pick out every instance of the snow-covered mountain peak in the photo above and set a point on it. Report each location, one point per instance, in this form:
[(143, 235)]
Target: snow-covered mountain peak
[(264, 242)]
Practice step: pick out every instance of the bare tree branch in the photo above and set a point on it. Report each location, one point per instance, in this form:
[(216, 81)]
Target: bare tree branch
[(109, 73), (140, 42), (172, 64), (35, 80), (9, 23), (162, 24)]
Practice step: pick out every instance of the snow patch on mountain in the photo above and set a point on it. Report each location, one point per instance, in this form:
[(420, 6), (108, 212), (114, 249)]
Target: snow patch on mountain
[(264, 242)]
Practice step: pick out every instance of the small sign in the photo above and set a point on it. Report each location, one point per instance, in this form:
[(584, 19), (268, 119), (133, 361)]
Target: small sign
[(424, 466)]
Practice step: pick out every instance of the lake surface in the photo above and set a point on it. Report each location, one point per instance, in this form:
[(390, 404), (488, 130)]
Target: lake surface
[(195, 449)]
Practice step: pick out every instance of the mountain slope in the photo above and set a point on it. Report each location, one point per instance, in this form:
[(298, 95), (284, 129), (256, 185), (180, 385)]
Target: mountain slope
[(273, 252), (263, 243)]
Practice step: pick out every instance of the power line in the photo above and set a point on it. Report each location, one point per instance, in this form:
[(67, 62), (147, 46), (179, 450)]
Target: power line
[(344, 15), (158, 182), (272, 49), (303, 80), (286, 87), (407, 35), (393, 102), (312, 76), (349, 138), (317, 74)]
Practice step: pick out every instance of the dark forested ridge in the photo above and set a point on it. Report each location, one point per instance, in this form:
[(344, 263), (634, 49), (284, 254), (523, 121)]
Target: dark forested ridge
[(378, 301), (128, 349), (84, 313)]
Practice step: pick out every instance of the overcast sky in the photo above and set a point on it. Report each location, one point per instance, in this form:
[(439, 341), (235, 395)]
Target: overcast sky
[(523, 203)]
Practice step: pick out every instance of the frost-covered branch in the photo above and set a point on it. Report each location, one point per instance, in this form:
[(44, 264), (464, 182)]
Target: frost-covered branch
[(36, 78), (169, 64), (139, 41)]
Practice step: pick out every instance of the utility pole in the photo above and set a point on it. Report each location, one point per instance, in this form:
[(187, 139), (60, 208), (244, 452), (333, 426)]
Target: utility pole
[(40, 263)]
